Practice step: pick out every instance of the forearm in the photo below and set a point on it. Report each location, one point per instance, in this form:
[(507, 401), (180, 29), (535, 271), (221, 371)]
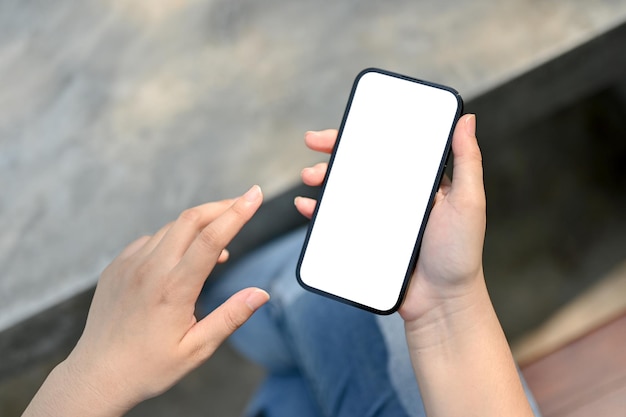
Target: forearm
[(63, 394), (462, 360)]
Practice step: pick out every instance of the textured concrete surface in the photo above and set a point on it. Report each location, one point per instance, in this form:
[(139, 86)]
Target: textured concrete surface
[(115, 115)]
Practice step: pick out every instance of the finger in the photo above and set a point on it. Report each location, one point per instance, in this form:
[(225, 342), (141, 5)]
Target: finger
[(186, 228), (314, 175), (133, 248), (305, 205), (155, 239), (467, 176), (321, 141), (223, 256), (210, 332), (202, 254)]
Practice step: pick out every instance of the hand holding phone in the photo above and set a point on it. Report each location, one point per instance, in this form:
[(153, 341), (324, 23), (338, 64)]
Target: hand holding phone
[(402, 127)]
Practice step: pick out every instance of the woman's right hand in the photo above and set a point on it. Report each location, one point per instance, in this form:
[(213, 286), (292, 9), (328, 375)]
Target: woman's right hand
[(142, 334)]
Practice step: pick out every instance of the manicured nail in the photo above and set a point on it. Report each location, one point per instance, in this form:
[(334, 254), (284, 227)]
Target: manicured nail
[(253, 194), (257, 298), (470, 125)]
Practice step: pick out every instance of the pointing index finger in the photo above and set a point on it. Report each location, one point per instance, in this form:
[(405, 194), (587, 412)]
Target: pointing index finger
[(199, 260)]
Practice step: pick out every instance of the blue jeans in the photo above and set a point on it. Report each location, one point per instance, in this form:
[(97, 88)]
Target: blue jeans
[(323, 358)]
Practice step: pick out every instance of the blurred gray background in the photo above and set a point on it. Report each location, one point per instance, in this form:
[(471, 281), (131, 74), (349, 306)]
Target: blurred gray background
[(116, 115)]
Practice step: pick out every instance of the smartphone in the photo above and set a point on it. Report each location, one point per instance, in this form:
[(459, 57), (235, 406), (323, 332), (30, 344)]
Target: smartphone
[(363, 240)]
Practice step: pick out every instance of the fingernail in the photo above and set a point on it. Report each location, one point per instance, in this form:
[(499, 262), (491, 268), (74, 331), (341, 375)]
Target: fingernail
[(310, 133), (253, 194), (295, 200), (257, 298), (470, 125)]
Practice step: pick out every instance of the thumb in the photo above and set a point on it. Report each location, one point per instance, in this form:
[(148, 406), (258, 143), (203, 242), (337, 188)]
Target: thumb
[(467, 176), (210, 332)]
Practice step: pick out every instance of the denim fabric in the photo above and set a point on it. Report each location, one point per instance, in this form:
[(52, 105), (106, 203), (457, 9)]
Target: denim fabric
[(323, 358)]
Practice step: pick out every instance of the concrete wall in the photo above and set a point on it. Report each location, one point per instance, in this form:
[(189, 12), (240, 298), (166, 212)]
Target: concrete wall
[(116, 115)]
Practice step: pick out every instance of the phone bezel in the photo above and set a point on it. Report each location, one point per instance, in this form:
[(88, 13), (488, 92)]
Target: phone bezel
[(439, 176)]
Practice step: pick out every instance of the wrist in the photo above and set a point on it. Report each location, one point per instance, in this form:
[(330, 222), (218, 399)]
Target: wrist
[(451, 317), (66, 392), (91, 391), (458, 348)]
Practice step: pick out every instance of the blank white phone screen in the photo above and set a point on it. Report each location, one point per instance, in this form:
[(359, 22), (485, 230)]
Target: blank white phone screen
[(391, 150)]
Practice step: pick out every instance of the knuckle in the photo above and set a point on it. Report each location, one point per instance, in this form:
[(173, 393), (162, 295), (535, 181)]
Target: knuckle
[(169, 293), (145, 269), (239, 210), (199, 353), (232, 320), (191, 215), (211, 239)]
